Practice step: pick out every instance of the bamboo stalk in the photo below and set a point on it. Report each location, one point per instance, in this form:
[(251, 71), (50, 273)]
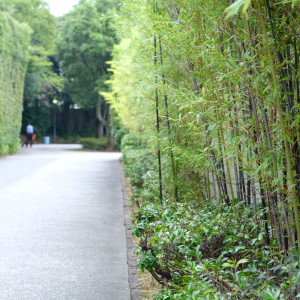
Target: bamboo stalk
[(227, 167), (158, 126), (174, 173), (282, 121), (267, 136)]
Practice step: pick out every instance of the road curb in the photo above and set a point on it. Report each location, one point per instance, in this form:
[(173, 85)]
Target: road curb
[(134, 285)]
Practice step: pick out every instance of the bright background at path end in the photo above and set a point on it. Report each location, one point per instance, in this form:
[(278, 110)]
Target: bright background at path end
[(61, 7)]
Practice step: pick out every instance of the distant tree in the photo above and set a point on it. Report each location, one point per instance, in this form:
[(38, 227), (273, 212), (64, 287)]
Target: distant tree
[(84, 47), (42, 80), (36, 14)]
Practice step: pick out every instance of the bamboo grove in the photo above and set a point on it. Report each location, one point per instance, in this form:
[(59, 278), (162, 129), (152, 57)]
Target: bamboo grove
[(213, 87), (225, 97)]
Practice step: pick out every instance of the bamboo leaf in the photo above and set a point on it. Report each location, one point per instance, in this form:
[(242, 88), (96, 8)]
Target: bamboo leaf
[(234, 8), (246, 5), (294, 2)]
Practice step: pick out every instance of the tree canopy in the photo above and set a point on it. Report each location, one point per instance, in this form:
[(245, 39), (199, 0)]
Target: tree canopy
[(84, 47)]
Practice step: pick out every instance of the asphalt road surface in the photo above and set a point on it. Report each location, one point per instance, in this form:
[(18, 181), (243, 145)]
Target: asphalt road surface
[(62, 233)]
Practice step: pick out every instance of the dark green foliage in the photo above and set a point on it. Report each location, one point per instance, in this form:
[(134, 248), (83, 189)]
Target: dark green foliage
[(94, 143), (139, 166), (71, 124), (84, 47), (76, 122), (202, 253), (39, 117)]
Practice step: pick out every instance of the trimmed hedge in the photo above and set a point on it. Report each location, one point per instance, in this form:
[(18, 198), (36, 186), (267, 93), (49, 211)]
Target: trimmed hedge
[(118, 136), (14, 45), (94, 143)]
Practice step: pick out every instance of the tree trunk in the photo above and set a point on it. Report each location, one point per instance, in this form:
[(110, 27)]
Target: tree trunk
[(100, 130), (100, 115), (110, 138), (103, 117)]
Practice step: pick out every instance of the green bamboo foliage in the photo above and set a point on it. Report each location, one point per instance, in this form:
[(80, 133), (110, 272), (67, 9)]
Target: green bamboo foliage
[(230, 72)]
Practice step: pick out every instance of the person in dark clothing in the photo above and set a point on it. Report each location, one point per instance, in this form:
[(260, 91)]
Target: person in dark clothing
[(29, 134)]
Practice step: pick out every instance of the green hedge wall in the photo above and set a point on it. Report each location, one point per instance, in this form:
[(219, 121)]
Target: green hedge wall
[(94, 143), (14, 44)]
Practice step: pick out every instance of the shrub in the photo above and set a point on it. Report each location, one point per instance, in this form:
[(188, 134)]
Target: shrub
[(137, 162), (119, 134), (94, 143), (129, 141), (72, 138), (139, 165), (209, 253)]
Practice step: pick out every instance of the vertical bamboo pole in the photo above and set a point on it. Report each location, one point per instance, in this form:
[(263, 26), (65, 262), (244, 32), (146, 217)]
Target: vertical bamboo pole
[(158, 126), (174, 173), (283, 126), (227, 167)]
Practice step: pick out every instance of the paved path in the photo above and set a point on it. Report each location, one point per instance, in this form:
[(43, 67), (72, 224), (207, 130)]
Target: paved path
[(62, 232)]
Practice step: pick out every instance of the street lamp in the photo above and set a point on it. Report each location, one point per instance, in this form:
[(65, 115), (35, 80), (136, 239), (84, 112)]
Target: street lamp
[(54, 101)]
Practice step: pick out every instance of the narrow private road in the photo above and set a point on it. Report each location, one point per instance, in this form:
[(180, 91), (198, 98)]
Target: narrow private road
[(62, 233)]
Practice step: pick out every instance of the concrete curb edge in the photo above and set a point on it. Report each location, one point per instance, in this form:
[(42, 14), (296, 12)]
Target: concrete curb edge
[(134, 285)]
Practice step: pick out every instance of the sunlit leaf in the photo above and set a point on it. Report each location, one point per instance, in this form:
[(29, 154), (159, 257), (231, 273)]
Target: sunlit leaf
[(234, 8)]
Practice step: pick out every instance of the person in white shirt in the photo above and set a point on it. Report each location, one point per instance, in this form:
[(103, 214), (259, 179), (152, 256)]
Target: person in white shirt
[(29, 134)]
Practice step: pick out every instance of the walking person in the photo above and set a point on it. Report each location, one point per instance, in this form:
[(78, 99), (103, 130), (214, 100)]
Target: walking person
[(29, 134)]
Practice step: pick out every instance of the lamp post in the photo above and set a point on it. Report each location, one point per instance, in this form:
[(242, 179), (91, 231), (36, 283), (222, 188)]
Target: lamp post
[(54, 101)]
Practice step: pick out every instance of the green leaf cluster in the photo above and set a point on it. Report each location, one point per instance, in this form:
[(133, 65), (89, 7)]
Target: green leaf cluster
[(84, 46), (14, 44), (207, 253)]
